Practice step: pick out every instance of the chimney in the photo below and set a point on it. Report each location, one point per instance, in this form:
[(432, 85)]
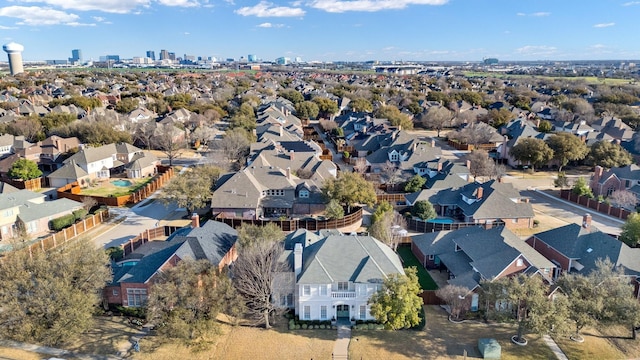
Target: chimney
[(280, 130), (616, 141), (291, 153), (505, 140), (479, 192), (538, 123), (195, 221), (297, 260), (439, 166), (586, 221), (415, 146), (526, 200), (468, 164), (433, 143), (597, 174), (288, 173)]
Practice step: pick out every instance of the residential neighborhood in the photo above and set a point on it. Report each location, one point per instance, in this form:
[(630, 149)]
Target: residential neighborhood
[(349, 209)]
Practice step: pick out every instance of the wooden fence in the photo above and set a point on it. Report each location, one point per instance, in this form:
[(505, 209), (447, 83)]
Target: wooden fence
[(75, 230), (165, 173), (293, 225), (391, 198), (32, 185), (594, 204), (146, 236), (427, 226), (462, 146), (429, 298)]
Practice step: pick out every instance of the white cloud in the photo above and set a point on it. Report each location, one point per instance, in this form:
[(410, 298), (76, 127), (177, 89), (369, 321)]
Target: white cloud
[(109, 6), (597, 46), (75, 23), (536, 50), (35, 16), (535, 14), (631, 3), (186, 33), (604, 25), (267, 9), (268, 25), (339, 6), (180, 3), (2, 27), (98, 18)]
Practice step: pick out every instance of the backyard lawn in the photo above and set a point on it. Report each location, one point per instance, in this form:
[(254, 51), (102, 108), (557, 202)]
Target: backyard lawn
[(408, 259), (442, 339), (108, 188)]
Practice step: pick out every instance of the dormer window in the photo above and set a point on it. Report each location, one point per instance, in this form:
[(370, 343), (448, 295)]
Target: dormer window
[(304, 194)]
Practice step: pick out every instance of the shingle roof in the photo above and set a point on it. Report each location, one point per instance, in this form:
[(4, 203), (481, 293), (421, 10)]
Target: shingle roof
[(348, 258), (30, 211)]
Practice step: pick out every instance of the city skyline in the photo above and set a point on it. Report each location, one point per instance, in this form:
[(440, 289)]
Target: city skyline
[(326, 30)]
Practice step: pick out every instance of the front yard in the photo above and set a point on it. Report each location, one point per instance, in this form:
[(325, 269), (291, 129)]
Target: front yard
[(108, 188), (408, 260), (442, 339)]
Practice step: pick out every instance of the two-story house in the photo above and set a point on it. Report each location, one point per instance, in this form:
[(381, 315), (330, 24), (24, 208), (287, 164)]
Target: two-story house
[(622, 178), (337, 274)]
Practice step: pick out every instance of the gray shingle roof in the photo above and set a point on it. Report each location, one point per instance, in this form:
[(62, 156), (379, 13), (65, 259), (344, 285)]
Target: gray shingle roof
[(348, 258), (30, 211)]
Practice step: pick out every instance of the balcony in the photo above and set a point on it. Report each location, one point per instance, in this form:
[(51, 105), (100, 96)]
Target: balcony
[(343, 294)]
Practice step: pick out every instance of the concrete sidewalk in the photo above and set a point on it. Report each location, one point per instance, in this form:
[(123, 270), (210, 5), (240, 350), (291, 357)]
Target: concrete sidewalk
[(341, 347), (554, 347)]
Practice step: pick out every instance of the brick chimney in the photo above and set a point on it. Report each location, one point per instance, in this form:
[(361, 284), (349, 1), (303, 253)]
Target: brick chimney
[(291, 154), (433, 143), (195, 220), (468, 164), (597, 174), (439, 166), (479, 192), (586, 221)]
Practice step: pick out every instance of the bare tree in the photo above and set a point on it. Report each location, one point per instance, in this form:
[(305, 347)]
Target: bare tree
[(390, 172), (623, 199), (457, 299), (143, 132), (361, 165), (255, 276), (480, 164), (203, 134), (234, 145), (390, 228), (88, 202), (466, 117), (328, 125), (474, 134), (170, 140), (437, 118)]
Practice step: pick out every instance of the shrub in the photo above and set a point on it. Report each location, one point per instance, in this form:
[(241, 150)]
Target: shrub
[(304, 326), (115, 253), (131, 311), (297, 327), (80, 214), (292, 326), (63, 222), (323, 326)]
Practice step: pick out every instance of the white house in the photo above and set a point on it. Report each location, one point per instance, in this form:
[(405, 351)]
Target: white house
[(337, 274)]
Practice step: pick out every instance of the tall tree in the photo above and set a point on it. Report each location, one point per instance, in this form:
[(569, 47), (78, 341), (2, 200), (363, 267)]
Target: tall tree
[(395, 116), (192, 189), (630, 234), (474, 134), (349, 189), (250, 235), (580, 187), (437, 118), (326, 107), (567, 147), (307, 110), (334, 210), (609, 155), (24, 169), (389, 227), (532, 151), (424, 210), (235, 145), (170, 140), (185, 300), (457, 299), (623, 199), (480, 164), (397, 304), (50, 297), (361, 104), (415, 183), (255, 277)]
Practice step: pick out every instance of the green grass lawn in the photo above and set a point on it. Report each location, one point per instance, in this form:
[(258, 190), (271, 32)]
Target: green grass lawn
[(408, 259), (106, 188)]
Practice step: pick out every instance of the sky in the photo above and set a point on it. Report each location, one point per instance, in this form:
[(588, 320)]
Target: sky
[(327, 30)]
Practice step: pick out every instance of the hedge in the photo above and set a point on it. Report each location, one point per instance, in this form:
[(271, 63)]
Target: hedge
[(80, 214), (63, 222)]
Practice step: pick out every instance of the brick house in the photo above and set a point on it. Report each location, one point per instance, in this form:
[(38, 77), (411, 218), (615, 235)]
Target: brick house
[(134, 275), (576, 248), (623, 178)]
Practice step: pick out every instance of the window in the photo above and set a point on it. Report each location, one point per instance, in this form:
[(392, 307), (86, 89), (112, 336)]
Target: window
[(136, 297), (323, 312), (32, 226), (7, 213), (115, 292), (515, 221), (307, 312), (5, 230), (363, 312), (306, 290), (343, 286), (519, 263), (458, 248), (323, 290), (303, 194), (431, 257)]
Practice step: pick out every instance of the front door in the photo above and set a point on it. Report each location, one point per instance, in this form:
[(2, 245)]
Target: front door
[(342, 311)]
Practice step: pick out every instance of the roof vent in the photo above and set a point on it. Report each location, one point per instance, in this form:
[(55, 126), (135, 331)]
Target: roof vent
[(589, 250)]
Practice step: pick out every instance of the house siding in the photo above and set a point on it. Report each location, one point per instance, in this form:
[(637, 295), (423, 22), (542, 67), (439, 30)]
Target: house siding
[(549, 252), (358, 295)]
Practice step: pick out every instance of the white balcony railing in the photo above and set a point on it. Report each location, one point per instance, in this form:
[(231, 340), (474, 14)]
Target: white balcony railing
[(343, 294)]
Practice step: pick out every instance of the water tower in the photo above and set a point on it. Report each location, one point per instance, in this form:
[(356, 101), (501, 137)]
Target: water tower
[(14, 51)]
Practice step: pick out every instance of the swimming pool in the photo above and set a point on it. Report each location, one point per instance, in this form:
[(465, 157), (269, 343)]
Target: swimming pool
[(441, 221), (121, 183)]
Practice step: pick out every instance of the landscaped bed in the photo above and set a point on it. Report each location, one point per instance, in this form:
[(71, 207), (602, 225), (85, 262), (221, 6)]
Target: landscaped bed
[(115, 187), (408, 259)]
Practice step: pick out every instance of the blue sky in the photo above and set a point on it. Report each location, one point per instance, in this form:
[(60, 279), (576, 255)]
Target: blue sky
[(327, 30)]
